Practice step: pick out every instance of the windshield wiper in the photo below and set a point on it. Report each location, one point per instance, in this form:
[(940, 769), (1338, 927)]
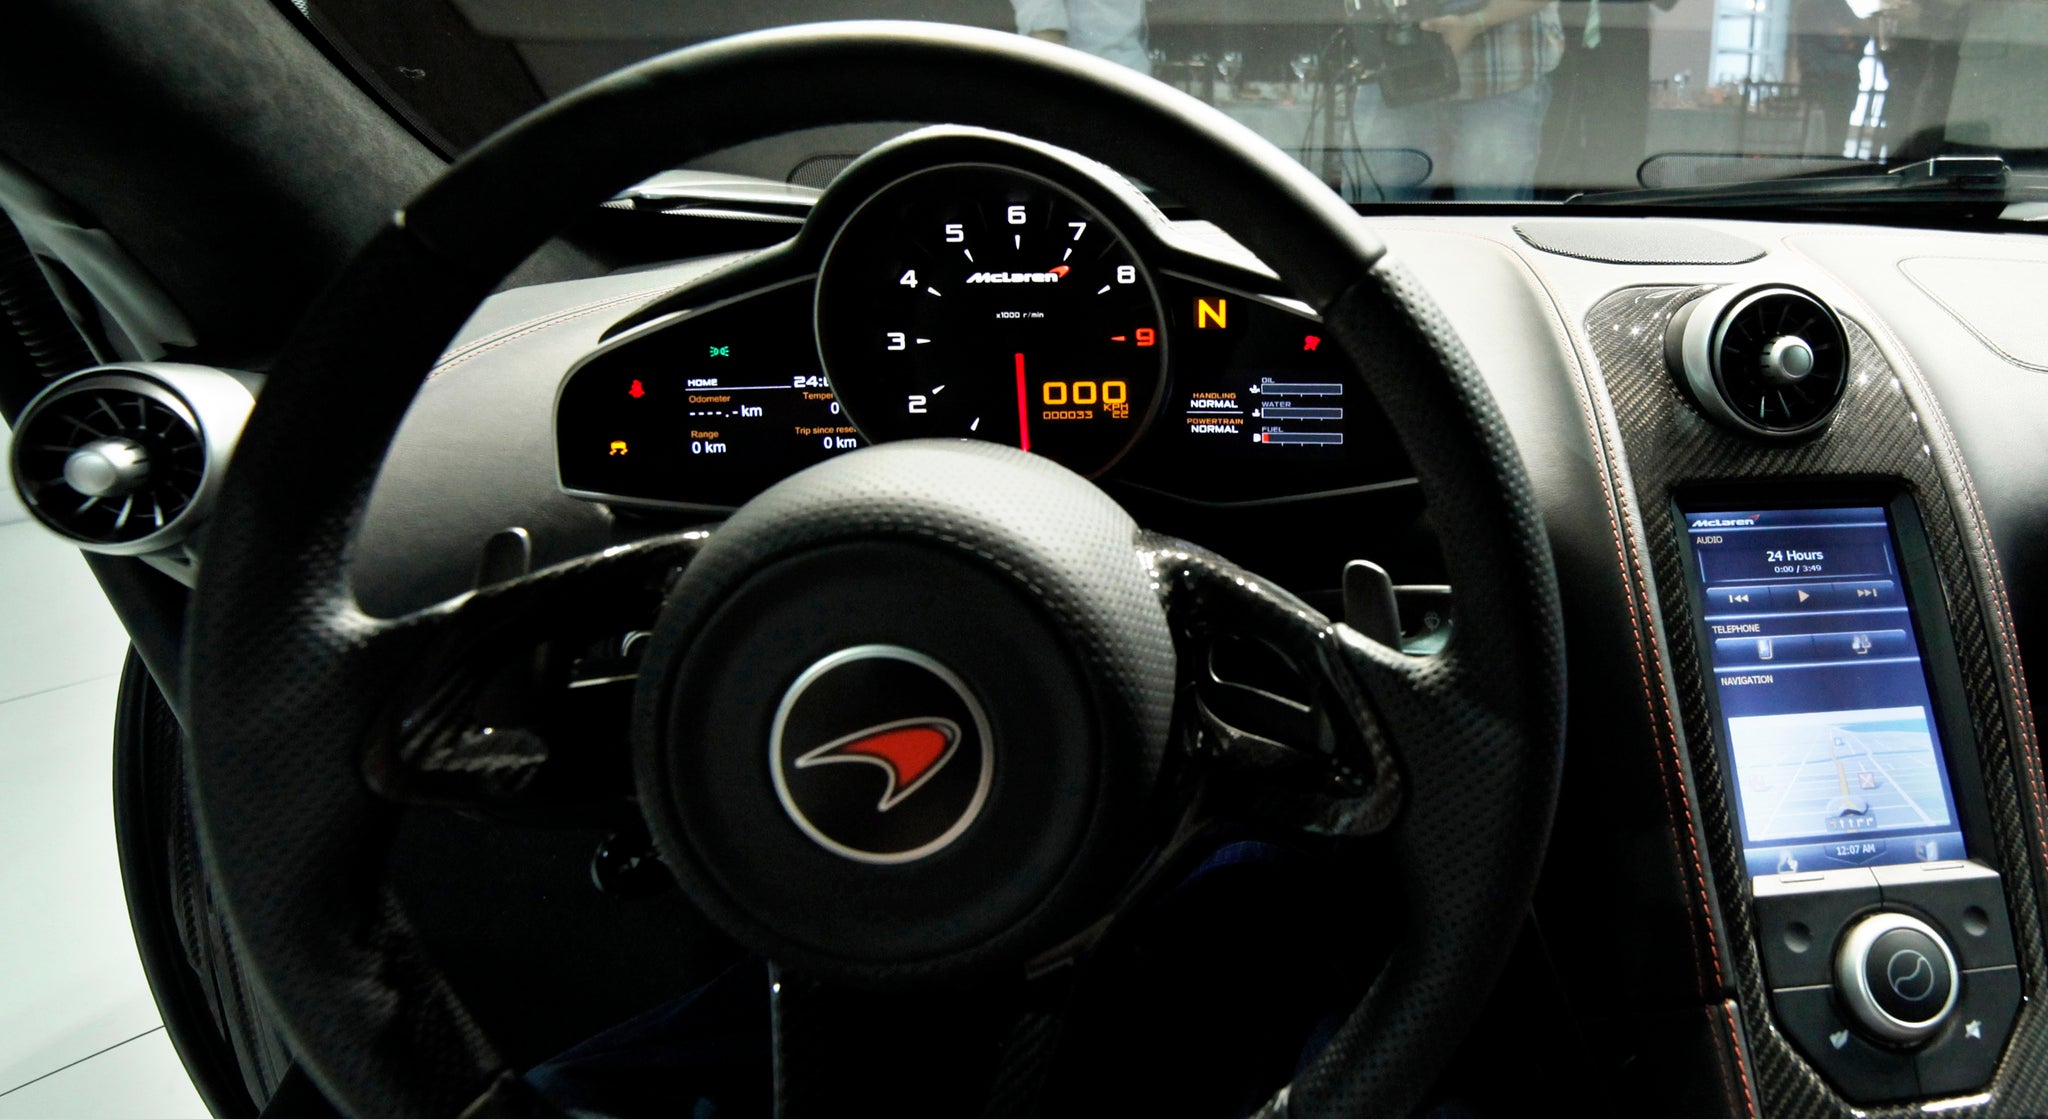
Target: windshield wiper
[(1972, 182)]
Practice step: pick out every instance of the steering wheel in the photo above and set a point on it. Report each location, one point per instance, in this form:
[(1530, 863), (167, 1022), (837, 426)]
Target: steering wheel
[(1034, 639)]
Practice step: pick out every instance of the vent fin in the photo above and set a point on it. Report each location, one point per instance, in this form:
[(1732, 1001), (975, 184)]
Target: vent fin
[(111, 463), (1770, 361)]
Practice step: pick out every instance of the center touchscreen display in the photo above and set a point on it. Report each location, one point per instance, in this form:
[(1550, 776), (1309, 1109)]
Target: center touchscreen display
[(1825, 709)]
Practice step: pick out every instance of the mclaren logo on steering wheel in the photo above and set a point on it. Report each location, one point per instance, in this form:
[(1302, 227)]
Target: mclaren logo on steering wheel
[(881, 754), (910, 751)]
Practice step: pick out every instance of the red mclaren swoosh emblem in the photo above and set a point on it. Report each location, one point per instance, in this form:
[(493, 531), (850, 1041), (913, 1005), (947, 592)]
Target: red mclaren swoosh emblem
[(910, 751)]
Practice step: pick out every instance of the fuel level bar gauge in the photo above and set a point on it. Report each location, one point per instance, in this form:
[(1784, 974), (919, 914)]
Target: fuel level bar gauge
[(1263, 403), (1297, 413)]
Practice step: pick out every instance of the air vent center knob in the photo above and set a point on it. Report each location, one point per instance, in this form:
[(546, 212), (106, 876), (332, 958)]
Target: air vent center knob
[(106, 467), (1787, 359)]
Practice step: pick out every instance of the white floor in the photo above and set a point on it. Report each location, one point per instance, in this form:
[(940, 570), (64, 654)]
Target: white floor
[(79, 1035)]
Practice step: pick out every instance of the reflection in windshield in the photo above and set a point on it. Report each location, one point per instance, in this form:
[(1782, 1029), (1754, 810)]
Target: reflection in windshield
[(1453, 89), (1111, 29), (1481, 132), (1830, 40), (1517, 99), (1386, 100), (1919, 43), (1457, 97)]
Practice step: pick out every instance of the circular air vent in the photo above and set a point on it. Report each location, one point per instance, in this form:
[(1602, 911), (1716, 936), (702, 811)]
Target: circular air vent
[(124, 459), (110, 461), (1769, 361)]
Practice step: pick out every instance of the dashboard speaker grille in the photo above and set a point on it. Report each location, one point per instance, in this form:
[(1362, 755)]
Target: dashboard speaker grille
[(113, 461)]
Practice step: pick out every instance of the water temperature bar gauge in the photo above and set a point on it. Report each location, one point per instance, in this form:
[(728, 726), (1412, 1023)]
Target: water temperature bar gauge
[(708, 409), (1265, 404)]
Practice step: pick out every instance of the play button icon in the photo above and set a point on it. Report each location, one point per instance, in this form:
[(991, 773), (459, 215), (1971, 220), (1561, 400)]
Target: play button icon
[(1803, 597)]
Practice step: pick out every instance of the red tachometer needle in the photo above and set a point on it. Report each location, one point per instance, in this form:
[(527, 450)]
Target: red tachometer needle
[(1023, 409)]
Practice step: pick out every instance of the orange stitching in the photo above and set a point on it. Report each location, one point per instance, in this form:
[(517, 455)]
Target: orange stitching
[(1688, 854), (1691, 855), (1974, 517), (1692, 839), (1636, 595), (2002, 612), (2001, 619), (535, 326), (1741, 1065), (1720, 1055), (1999, 615)]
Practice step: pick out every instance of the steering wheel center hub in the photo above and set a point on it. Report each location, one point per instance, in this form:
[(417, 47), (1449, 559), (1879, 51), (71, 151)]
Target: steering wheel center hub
[(895, 718), (881, 754)]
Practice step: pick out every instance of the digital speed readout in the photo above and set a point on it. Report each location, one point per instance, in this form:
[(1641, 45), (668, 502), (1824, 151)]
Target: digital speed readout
[(980, 302)]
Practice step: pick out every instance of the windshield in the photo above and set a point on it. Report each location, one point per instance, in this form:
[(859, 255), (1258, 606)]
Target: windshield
[(1388, 100)]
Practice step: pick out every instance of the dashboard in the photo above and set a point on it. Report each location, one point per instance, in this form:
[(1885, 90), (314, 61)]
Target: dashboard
[(956, 284), (1789, 467), (1795, 576)]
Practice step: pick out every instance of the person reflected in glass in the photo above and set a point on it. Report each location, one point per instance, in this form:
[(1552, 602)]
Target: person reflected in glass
[(1918, 41), (1483, 138), (1111, 29), (1829, 41)]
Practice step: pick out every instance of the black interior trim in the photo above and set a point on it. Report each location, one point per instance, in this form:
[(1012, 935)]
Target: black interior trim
[(143, 762)]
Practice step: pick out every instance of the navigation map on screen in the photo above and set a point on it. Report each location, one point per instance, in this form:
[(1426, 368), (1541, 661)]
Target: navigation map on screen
[(1824, 699)]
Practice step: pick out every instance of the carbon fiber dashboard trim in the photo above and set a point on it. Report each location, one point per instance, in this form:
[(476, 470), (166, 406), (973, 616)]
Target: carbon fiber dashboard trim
[(1887, 428)]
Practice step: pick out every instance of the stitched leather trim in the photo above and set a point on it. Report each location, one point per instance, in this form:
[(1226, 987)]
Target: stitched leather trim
[(1727, 1009), (535, 325), (1977, 539), (1637, 596)]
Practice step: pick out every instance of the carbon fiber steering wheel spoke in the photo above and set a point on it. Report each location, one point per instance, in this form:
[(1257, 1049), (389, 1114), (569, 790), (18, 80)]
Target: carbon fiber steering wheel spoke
[(514, 698), (1320, 761)]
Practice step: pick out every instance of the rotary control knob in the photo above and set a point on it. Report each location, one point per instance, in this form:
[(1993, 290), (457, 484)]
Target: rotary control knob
[(1788, 358), (1897, 977)]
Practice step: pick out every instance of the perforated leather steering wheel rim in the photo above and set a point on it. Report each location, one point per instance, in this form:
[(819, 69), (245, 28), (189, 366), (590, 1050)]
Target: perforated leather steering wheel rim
[(280, 662)]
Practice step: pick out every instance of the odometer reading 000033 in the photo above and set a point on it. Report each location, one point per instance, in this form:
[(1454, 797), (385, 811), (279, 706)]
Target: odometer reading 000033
[(981, 302)]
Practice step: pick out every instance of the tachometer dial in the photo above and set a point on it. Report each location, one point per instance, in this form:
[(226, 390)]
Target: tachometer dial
[(981, 302)]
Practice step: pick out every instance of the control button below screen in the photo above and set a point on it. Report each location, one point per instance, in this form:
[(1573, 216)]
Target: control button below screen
[(1963, 1058), (1908, 975), (1861, 1071), (1798, 922), (1966, 902), (1897, 978)]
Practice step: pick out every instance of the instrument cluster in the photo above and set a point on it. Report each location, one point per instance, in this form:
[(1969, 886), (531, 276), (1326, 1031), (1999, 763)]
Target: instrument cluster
[(960, 284)]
